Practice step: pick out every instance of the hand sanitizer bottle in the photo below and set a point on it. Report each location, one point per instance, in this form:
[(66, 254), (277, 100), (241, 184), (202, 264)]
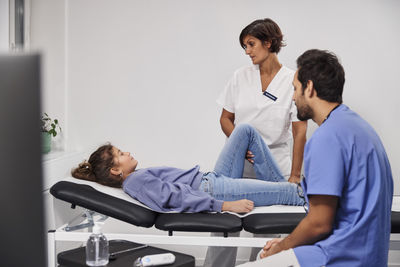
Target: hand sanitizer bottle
[(97, 248)]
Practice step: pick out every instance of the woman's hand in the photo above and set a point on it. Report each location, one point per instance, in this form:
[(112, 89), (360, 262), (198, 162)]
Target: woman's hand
[(271, 247), (294, 179), (250, 156), (238, 206)]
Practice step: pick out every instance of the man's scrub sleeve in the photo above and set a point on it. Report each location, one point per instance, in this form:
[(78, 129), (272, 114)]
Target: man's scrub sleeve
[(325, 170)]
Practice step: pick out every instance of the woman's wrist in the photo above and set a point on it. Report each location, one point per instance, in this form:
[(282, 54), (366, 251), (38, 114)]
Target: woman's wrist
[(294, 178)]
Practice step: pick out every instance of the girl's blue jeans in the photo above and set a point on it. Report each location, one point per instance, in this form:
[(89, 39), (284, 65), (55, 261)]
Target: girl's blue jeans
[(226, 182)]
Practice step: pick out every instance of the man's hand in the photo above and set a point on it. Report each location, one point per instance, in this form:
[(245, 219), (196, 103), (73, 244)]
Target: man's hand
[(238, 206), (271, 247), (250, 156), (317, 225)]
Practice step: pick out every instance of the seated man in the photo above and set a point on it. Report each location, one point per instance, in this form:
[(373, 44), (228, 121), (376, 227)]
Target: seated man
[(348, 181)]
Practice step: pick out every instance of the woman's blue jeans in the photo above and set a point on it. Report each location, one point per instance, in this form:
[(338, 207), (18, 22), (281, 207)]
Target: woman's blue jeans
[(226, 182)]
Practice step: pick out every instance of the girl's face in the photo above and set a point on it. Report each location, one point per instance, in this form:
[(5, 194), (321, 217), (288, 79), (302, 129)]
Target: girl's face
[(125, 164), (257, 50)]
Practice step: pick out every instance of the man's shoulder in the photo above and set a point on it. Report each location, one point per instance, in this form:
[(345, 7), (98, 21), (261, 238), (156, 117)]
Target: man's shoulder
[(346, 130), (342, 121), (347, 123)]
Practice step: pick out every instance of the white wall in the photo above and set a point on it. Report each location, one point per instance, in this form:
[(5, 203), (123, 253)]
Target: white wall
[(145, 74), (48, 24), (4, 33)]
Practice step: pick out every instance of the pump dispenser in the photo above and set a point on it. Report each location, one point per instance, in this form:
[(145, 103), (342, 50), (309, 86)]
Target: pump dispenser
[(97, 247)]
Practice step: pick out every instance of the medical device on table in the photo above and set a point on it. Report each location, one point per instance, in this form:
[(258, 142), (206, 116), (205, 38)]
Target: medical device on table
[(155, 260)]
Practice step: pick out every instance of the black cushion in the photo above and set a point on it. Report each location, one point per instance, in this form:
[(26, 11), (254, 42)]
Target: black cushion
[(284, 223), (199, 222), (272, 223), (395, 222), (87, 197), (268, 223)]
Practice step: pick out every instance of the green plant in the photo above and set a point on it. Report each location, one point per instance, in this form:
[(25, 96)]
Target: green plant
[(49, 125)]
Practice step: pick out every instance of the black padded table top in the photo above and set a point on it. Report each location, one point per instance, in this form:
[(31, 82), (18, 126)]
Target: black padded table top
[(199, 222), (266, 223), (395, 222), (284, 223), (87, 197), (272, 223)]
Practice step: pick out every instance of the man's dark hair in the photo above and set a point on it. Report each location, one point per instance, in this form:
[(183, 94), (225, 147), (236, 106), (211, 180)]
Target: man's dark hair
[(266, 30), (324, 70)]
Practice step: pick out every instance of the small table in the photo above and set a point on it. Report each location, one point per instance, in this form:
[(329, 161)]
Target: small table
[(77, 257)]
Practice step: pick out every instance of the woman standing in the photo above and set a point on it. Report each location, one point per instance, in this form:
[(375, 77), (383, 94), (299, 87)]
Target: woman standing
[(261, 95)]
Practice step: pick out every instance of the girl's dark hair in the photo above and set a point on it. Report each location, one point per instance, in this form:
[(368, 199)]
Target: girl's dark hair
[(97, 169), (325, 71), (266, 30)]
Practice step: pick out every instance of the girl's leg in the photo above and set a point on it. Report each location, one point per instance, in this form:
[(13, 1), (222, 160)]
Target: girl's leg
[(231, 159), (262, 193)]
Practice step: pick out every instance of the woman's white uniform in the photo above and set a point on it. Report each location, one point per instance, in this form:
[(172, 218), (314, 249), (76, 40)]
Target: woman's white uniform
[(270, 112)]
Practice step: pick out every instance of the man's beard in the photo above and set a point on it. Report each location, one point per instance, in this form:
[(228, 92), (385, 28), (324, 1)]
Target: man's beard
[(305, 113)]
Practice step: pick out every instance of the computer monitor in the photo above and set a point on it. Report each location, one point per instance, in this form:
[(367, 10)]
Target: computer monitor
[(22, 233)]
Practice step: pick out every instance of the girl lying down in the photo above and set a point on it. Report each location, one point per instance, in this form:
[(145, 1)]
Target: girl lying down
[(172, 189)]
